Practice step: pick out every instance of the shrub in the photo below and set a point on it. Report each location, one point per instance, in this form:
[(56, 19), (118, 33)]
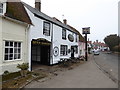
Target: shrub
[(6, 72), (117, 48), (23, 66)]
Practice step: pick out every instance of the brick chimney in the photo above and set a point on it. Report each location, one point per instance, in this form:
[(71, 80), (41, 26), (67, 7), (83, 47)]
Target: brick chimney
[(97, 41), (65, 21), (38, 5)]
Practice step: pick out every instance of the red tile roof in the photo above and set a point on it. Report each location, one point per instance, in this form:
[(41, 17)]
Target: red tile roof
[(16, 10)]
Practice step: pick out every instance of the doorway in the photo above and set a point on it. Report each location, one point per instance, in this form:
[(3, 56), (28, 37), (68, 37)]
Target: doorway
[(40, 53), (72, 51)]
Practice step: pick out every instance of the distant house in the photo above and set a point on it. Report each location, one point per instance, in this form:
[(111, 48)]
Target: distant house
[(50, 40), (13, 35), (101, 46)]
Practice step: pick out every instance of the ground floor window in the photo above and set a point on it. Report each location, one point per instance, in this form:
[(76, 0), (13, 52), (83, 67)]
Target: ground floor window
[(63, 50), (12, 50), (76, 49)]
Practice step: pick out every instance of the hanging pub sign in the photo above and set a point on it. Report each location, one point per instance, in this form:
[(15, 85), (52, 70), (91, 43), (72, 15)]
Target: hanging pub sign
[(70, 38), (86, 30)]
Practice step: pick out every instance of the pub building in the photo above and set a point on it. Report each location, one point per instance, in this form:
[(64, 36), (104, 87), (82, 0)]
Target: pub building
[(50, 40)]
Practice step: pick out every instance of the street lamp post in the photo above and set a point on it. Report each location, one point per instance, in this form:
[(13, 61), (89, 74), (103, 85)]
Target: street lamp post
[(86, 31)]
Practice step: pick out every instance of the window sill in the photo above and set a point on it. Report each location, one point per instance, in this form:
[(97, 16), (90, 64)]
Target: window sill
[(7, 61)]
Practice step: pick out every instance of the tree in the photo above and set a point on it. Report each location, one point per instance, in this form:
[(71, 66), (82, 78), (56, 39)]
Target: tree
[(112, 41)]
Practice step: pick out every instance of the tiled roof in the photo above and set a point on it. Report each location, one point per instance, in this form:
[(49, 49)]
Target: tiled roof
[(16, 10), (46, 17), (81, 38)]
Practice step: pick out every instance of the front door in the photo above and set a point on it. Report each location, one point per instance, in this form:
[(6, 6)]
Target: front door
[(45, 55), (72, 52)]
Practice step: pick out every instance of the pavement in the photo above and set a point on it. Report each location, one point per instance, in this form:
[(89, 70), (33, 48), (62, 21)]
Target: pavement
[(86, 75)]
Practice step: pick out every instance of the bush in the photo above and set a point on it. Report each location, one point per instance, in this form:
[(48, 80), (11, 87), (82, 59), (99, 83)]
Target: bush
[(23, 66), (116, 48), (6, 72)]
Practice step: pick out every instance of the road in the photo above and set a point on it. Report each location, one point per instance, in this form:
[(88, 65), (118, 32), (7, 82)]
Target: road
[(109, 64), (86, 75)]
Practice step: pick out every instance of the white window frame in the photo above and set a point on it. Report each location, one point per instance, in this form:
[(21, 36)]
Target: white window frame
[(76, 49), (13, 51), (63, 50), (1, 8), (46, 29)]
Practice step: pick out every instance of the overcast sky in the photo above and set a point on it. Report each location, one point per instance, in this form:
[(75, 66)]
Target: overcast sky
[(100, 15)]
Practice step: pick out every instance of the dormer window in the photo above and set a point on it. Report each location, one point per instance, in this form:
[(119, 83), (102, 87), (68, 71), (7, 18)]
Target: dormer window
[(1, 8)]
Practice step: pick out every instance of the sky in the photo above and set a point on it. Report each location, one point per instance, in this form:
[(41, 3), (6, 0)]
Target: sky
[(100, 15)]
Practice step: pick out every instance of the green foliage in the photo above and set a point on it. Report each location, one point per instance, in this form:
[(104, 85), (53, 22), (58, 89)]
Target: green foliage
[(6, 72), (116, 48), (10, 76), (112, 41), (23, 66)]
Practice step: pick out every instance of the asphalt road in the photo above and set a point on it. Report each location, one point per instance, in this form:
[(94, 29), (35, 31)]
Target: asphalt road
[(86, 75), (109, 64)]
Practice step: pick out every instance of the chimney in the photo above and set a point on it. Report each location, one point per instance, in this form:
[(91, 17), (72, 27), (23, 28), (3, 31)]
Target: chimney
[(65, 21), (97, 41), (38, 5)]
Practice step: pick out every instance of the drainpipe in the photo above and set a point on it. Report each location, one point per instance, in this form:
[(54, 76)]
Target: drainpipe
[(27, 45), (52, 45)]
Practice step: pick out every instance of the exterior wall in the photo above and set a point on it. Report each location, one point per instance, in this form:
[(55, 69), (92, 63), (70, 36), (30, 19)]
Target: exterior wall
[(55, 37), (36, 32), (57, 41), (13, 31), (82, 48), (0, 45)]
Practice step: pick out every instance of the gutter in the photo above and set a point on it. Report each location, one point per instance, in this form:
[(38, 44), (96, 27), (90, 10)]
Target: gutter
[(14, 20)]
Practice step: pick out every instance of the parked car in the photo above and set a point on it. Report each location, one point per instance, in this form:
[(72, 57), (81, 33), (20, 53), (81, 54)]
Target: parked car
[(96, 52)]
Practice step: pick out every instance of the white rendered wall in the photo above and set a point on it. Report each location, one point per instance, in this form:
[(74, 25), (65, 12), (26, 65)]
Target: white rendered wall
[(36, 32), (13, 31), (57, 41)]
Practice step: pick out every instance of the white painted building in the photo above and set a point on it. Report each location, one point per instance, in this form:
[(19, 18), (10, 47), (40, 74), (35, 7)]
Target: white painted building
[(13, 37), (49, 39)]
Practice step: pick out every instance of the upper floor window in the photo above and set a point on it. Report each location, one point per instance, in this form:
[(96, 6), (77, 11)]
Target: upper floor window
[(46, 28), (12, 50), (1, 8), (64, 33), (63, 50)]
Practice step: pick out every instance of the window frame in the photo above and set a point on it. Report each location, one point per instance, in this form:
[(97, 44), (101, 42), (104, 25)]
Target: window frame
[(76, 49), (63, 50), (18, 52), (46, 30), (1, 8), (64, 33)]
